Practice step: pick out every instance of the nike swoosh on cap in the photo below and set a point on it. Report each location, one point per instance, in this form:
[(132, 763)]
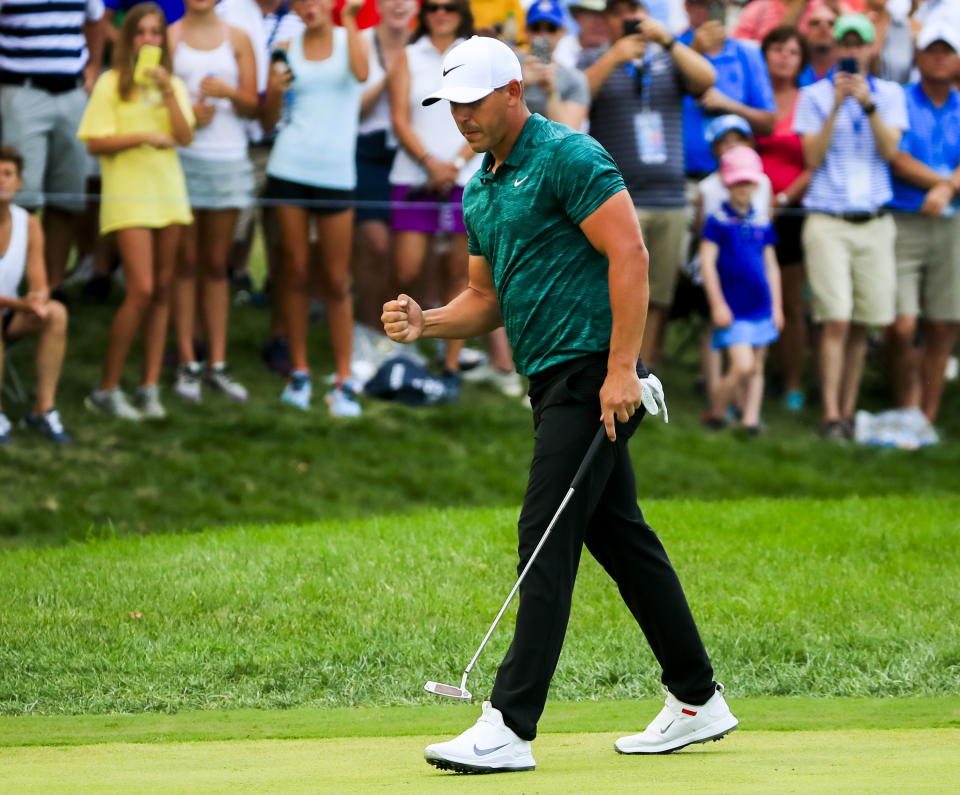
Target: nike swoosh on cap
[(486, 751), (448, 71)]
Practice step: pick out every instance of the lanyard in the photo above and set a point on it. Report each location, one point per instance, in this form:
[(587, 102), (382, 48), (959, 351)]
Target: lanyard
[(642, 79)]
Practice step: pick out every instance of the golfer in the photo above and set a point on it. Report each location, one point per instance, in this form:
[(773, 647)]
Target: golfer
[(556, 256)]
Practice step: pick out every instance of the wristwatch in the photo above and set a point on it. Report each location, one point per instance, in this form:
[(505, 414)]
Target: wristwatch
[(868, 109), (459, 161), (782, 199)]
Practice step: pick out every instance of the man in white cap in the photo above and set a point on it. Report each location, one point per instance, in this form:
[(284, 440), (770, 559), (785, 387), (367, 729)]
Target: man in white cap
[(926, 204), (556, 256)]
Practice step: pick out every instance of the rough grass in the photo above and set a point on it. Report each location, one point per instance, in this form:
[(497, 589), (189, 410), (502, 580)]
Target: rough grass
[(225, 464), (795, 597)]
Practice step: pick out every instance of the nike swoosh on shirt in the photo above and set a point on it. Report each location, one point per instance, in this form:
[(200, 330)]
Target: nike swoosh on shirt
[(486, 751), (664, 729), (448, 71), (517, 182)]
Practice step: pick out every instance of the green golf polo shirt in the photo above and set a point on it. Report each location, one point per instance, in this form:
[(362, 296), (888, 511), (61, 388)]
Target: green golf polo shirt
[(524, 219)]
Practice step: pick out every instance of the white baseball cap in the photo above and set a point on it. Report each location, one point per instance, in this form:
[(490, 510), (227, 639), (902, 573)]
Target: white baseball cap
[(939, 30), (475, 68)]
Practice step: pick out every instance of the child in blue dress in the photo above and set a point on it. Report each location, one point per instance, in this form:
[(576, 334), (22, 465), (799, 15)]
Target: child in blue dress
[(742, 281)]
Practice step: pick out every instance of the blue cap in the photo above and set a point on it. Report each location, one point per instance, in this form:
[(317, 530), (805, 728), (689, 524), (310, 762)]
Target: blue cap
[(721, 125), (545, 11)]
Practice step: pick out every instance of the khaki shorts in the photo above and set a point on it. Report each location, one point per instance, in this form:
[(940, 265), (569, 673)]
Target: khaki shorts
[(928, 267), (663, 232), (43, 127), (850, 268)]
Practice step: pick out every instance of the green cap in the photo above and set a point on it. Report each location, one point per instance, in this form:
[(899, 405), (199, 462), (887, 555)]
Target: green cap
[(854, 23)]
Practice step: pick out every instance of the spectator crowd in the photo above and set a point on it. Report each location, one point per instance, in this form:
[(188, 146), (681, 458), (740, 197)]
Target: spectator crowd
[(794, 164)]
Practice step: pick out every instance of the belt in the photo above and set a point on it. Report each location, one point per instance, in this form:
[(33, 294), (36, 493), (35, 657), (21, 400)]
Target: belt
[(856, 218), (52, 84)]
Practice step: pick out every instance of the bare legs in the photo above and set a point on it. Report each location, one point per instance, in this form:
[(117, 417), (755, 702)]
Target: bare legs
[(409, 254), (149, 257), (919, 372), (335, 237), (51, 333), (843, 347), (744, 375), (792, 346), (206, 245)]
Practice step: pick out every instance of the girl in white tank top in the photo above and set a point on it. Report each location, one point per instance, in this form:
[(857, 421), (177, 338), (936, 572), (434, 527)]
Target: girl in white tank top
[(217, 64)]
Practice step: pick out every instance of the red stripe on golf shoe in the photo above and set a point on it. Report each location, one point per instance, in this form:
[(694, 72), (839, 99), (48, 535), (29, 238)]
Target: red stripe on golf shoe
[(688, 712)]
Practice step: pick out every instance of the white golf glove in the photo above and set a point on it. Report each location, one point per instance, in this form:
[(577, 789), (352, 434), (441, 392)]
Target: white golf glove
[(652, 396)]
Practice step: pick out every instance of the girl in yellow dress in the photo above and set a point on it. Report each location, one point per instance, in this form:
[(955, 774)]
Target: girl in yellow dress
[(134, 123)]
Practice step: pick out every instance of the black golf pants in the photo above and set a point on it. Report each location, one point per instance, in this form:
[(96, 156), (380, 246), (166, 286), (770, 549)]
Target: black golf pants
[(604, 515)]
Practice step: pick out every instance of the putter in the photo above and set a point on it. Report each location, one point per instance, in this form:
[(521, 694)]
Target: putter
[(461, 692)]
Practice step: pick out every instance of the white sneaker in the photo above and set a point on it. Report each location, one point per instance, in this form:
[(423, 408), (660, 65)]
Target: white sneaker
[(488, 746), (148, 402), (508, 383), (112, 402), (187, 384), (679, 725), (219, 378)]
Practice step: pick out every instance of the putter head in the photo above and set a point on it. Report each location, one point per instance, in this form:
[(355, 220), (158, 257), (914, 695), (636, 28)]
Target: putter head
[(447, 690)]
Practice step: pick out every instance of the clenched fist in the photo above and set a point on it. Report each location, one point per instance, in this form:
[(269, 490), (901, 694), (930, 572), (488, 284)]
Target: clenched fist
[(402, 319)]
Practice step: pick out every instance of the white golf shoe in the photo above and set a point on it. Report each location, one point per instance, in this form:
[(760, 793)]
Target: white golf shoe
[(488, 746), (679, 725)]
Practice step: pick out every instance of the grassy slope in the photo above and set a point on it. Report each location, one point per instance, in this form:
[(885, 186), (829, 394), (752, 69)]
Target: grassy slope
[(221, 464), (851, 597)]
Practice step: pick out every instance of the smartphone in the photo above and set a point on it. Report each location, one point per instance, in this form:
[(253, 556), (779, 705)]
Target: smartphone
[(540, 49), (147, 59), (631, 27), (279, 56), (717, 11), (848, 65)]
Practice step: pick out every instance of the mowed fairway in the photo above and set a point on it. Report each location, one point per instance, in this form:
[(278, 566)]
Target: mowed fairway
[(775, 751)]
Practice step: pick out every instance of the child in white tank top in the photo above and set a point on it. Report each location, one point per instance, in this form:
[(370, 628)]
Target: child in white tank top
[(21, 254)]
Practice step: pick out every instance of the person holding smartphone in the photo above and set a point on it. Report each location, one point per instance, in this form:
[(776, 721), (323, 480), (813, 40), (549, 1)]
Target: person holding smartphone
[(311, 176), (552, 89), (134, 128), (742, 88), (850, 126), (217, 64), (637, 88)]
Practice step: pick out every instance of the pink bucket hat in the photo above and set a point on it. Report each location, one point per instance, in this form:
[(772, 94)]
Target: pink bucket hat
[(740, 164)]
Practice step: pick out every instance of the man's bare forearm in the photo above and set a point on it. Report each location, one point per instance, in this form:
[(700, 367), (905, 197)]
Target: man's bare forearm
[(629, 296), (470, 314)]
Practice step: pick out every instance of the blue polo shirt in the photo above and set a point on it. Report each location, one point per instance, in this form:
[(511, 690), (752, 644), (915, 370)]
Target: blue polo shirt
[(741, 75), (808, 77), (933, 139), (741, 240), (853, 177), (172, 9)]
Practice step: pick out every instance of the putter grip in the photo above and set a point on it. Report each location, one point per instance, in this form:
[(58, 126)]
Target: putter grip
[(588, 457)]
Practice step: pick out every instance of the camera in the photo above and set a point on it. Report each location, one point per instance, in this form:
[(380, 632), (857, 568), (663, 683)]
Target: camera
[(631, 27)]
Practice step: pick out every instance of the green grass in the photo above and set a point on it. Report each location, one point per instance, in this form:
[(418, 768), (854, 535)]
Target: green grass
[(795, 597), (782, 745), (221, 464), (850, 761), (769, 714)]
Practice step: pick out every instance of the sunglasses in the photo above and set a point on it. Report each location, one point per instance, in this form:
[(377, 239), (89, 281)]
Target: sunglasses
[(817, 23), (433, 8), (542, 27)]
